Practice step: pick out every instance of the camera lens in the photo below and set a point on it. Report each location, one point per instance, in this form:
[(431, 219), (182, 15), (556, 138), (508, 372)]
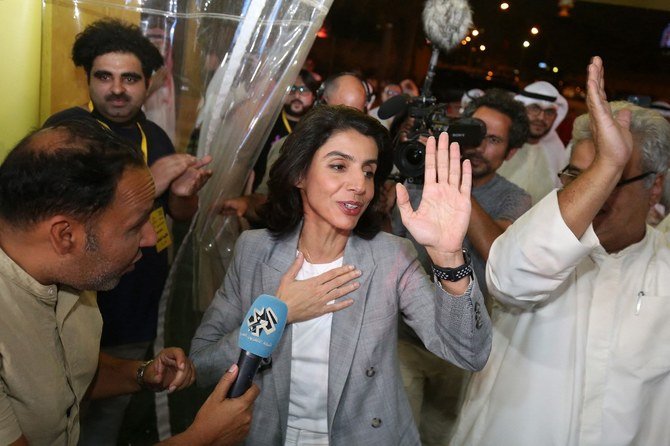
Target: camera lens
[(416, 156), (410, 157)]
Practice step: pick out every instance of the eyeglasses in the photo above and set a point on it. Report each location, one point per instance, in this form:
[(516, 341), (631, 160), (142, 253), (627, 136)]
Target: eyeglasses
[(535, 110), (568, 174), (301, 90)]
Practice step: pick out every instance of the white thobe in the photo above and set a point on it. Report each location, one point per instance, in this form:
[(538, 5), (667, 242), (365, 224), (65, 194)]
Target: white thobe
[(581, 343), (535, 167)]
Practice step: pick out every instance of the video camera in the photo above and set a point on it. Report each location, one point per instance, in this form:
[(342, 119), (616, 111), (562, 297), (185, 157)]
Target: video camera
[(429, 118)]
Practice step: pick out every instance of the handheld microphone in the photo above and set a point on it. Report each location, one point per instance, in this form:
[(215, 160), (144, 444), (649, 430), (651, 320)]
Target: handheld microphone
[(260, 333)]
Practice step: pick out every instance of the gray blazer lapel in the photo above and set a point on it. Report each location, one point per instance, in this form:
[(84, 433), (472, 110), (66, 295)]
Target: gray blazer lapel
[(346, 325), (282, 257)]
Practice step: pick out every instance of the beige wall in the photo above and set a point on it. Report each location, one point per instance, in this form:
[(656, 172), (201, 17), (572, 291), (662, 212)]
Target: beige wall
[(20, 73)]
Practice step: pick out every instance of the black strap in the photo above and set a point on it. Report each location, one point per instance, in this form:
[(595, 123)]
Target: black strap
[(541, 97)]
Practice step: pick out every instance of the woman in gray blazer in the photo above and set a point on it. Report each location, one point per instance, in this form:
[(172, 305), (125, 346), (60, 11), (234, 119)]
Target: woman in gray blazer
[(334, 377)]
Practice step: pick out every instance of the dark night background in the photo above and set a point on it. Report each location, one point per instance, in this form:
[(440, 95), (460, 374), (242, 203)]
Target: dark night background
[(385, 39)]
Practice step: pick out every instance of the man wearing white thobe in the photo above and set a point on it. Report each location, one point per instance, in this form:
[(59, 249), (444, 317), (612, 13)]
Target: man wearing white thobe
[(581, 346), (535, 165)]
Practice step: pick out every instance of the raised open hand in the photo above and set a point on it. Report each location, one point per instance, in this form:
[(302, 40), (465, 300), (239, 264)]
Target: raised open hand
[(612, 137), (441, 221)]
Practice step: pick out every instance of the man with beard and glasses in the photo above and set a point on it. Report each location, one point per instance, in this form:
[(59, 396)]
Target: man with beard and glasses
[(298, 101), (119, 62), (496, 203), (534, 168), (75, 203)]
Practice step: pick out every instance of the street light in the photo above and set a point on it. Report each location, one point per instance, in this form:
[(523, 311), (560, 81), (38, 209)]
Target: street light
[(482, 47), (475, 32), (526, 44), (504, 6), (534, 31)]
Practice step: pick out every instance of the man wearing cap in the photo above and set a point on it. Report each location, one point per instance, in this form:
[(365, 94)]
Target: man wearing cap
[(535, 166)]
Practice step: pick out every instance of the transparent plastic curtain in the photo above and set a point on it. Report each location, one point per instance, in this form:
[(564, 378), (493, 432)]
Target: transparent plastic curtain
[(228, 66)]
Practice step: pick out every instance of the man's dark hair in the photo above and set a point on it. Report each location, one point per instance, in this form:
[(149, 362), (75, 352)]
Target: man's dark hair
[(503, 102), (309, 80), (75, 172), (284, 209), (114, 36)]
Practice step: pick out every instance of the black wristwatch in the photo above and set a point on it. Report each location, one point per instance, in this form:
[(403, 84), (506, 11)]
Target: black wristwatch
[(455, 274)]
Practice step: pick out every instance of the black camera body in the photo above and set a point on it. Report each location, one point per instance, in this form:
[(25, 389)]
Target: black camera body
[(430, 119)]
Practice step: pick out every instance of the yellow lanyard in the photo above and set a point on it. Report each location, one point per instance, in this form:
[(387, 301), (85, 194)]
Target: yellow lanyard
[(285, 121), (145, 150)]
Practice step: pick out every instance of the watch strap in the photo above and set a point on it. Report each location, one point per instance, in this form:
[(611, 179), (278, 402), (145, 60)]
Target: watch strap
[(455, 274), (140, 375)]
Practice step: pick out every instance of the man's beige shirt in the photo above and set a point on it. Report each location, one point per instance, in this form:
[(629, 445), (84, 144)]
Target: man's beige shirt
[(49, 344)]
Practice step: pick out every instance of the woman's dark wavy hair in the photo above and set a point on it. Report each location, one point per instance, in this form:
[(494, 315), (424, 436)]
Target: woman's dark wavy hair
[(114, 36), (77, 175), (503, 102), (284, 210)]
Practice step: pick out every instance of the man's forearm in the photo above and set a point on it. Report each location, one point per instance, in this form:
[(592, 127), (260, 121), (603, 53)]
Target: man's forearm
[(483, 230), (182, 208), (581, 200), (115, 377)]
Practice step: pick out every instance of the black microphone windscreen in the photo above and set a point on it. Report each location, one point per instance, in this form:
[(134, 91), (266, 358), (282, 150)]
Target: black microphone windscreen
[(392, 106)]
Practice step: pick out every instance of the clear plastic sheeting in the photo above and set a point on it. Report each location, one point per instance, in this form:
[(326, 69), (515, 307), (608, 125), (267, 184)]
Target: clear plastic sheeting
[(228, 66), (269, 43)]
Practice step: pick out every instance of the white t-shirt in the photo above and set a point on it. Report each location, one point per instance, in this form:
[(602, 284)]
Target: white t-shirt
[(308, 397)]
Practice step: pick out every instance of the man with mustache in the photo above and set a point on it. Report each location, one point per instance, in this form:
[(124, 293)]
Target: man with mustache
[(119, 62), (535, 167), (496, 203)]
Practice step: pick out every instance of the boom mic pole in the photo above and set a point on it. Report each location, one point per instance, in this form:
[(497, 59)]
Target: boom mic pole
[(428, 82), (445, 22)]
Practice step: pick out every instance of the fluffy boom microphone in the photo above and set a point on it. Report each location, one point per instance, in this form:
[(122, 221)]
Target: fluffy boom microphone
[(446, 22), (260, 333)]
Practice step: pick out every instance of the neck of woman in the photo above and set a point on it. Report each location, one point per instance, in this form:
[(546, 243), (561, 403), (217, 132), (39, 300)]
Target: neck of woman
[(322, 245)]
